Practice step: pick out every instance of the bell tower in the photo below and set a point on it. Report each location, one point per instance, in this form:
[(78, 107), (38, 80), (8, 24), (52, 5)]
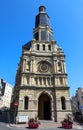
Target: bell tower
[(41, 86), (42, 31)]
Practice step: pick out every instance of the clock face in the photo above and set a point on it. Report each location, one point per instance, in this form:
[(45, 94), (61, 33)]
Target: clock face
[(43, 67)]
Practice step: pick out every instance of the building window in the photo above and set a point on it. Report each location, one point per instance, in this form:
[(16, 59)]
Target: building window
[(49, 47), (43, 47), (43, 35), (26, 99), (40, 80), (44, 19), (48, 81), (37, 47), (63, 102), (44, 81)]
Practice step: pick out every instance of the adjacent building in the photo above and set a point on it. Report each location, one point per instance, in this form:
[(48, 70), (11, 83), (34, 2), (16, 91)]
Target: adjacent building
[(41, 86), (5, 94), (77, 101)]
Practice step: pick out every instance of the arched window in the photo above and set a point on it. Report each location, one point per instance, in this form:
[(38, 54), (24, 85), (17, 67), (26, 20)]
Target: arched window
[(40, 80), (26, 99), (36, 81), (43, 47), (49, 47), (37, 47), (63, 102)]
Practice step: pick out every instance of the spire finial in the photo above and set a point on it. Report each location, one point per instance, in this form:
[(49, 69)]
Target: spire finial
[(42, 8)]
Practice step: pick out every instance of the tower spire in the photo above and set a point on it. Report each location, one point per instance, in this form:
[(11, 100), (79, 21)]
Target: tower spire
[(42, 18), (42, 31)]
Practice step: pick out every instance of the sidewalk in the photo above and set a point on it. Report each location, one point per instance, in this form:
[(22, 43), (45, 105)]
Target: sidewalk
[(46, 124)]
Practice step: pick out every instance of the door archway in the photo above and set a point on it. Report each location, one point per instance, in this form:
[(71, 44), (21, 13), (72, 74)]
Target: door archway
[(44, 107)]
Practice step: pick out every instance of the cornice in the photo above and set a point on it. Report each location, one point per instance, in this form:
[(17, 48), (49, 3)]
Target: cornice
[(45, 88)]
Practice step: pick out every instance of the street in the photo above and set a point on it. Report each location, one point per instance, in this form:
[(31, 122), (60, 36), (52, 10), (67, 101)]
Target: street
[(5, 124)]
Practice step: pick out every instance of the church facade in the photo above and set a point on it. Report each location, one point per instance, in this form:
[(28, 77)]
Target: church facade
[(41, 86)]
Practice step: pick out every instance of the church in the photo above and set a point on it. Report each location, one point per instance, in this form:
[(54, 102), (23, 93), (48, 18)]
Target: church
[(41, 85)]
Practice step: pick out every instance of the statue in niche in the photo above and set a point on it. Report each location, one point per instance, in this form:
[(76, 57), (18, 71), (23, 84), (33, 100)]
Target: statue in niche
[(28, 65)]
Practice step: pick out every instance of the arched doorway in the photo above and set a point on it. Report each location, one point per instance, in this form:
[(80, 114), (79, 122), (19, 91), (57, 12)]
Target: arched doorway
[(44, 107)]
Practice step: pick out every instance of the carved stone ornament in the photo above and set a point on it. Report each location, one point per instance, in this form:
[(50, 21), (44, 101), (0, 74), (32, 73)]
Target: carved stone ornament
[(43, 67), (43, 59)]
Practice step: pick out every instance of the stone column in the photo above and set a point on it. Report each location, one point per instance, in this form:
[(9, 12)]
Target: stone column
[(58, 83), (30, 81), (52, 110), (38, 82), (31, 66), (61, 67), (66, 81), (46, 47), (54, 66), (25, 80), (46, 82), (50, 81), (33, 81), (39, 35), (63, 80), (64, 66), (32, 59), (24, 65), (22, 81)]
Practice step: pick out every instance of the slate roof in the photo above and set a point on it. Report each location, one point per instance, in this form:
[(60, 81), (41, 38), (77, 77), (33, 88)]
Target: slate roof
[(27, 45)]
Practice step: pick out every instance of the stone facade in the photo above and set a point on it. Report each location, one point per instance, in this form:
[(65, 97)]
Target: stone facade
[(41, 86)]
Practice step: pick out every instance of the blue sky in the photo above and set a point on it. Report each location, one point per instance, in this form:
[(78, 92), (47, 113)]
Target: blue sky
[(17, 20)]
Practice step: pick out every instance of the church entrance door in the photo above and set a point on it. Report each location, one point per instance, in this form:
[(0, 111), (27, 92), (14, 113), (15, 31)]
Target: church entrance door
[(44, 107)]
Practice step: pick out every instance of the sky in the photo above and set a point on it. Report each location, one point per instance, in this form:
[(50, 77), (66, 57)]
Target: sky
[(17, 20)]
